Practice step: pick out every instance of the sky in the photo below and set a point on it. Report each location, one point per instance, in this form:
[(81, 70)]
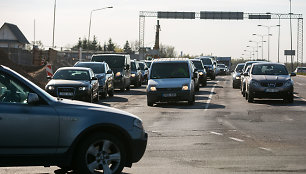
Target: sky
[(121, 23)]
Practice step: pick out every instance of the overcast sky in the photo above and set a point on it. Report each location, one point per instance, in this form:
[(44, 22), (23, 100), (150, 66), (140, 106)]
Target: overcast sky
[(220, 38)]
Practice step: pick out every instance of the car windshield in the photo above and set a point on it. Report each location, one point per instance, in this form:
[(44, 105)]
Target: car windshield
[(142, 66), (206, 61), (71, 75), (221, 66), (133, 66), (112, 61), (239, 68), (198, 64), (169, 70), (96, 68), (269, 69)]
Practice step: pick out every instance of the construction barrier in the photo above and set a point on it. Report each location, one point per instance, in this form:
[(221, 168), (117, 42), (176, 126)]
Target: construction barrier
[(49, 70)]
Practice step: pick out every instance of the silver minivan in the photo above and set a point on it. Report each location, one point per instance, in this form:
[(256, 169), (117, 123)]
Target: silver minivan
[(171, 79)]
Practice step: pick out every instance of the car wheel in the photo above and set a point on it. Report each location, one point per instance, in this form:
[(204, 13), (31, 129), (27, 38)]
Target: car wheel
[(98, 97), (90, 99), (205, 83), (213, 77), (128, 88), (289, 98), (192, 100), (100, 152), (149, 103), (197, 88), (111, 92), (250, 97)]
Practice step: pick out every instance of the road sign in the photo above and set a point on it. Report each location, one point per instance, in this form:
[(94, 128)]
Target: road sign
[(221, 15), (176, 15), (289, 52)]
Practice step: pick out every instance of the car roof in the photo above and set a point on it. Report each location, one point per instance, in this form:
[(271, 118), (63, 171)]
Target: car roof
[(198, 60), (240, 64), (74, 68), (172, 60), (267, 63), (91, 62), (110, 55)]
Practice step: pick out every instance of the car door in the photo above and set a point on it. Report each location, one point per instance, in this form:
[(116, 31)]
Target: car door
[(24, 128)]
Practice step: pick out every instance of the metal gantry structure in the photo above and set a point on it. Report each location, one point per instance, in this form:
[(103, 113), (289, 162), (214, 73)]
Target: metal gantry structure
[(250, 16)]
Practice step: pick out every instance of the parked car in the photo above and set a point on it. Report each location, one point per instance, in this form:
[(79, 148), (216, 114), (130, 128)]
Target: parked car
[(171, 79), (300, 70), (269, 80), (104, 74), (40, 130), (144, 71), (76, 83), (237, 75), (201, 71), (221, 69), (210, 66), (136, 76), (120, 65)]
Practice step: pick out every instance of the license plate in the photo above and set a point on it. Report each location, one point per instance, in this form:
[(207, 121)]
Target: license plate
[(271, 90), (169, 95), (66, 94)]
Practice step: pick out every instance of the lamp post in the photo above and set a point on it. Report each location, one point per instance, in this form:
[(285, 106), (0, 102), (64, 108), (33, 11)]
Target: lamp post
[(268, 37), (253, 52), (256, 46), (249, 52), (90, 20), (291, 37), (262, 41)]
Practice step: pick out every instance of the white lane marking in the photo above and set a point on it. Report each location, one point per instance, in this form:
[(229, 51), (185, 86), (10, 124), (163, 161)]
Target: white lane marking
[(216, 133), (299, 83), (210, 97), (236, 139), (300, 97), (266, 149)]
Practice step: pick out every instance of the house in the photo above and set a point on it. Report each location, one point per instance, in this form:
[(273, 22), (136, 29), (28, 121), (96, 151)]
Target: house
[(12, 37)]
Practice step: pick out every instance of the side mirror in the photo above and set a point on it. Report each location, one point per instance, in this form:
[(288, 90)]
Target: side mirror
[(32, 98), (246, 74), (49, 77), (94, 78), (293, 74), (109, 71)]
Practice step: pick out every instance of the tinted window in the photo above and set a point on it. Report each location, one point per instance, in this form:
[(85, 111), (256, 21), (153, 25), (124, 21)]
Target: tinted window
[(142, 66), (269, 70), (169, 70), (206, 61), (239, 68), (133, 66), (198, 64), (97, 68), (71, 75), (112, 61)]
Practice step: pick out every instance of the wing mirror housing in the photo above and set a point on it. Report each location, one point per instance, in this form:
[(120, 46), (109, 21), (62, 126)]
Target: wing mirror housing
[(109, 71), (293, 74), (32, 98)]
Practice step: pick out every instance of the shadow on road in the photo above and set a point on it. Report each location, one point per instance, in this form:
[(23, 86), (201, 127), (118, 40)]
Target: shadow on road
[(185, 105), (280, 102)]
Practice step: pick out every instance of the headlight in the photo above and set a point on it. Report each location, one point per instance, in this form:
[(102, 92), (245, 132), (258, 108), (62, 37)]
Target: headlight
[(83, 88), (237, 77), (152, 88), (133, 75), (50, 88), (185, 87), (138, 124), (288, 83), (200, 73), (255, 84), (118, 74)]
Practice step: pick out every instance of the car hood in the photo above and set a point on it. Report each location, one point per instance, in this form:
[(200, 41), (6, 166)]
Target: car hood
[(68, 83), (169, 83), (75, 106), (271, 77)]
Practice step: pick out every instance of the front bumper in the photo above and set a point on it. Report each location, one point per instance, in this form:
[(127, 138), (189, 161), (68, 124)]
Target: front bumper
[(134, 80), (274, 93), (119, 83), (138, 148), (161, 96), (202, 79), (77, 95)]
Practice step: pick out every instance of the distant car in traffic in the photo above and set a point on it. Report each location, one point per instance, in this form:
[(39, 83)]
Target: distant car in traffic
[(237, 75), (221, 69), (171, 79), (269, 80), (104, 74), (136, 76), (201, 71), (76, 83), (144, 71), (40, 130), (210, 66), (120, 64), (300, 70)]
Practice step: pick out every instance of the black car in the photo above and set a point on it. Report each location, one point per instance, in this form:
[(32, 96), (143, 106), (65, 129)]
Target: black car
[(237, 75), (210, 66), (120, 65), (136, 76), (104, 74), (76, 83), (144, 71), (201, 71)]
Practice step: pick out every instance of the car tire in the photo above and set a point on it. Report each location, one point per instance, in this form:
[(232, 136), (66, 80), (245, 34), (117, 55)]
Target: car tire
[(204, 83), (197, 88), (289, 98), (250, 97), (111, 92), (128, 88), (192, 100), (213, 77), (149, 103), (100, 151)]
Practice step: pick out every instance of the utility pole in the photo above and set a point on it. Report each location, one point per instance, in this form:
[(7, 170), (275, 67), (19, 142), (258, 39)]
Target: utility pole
[(54, 23), (291, 37), (156, 45)]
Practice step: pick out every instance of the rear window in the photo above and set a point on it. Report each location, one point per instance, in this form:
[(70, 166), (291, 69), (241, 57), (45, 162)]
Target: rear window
[(198, 64), (96, 68), (206, 61), (169, 70)]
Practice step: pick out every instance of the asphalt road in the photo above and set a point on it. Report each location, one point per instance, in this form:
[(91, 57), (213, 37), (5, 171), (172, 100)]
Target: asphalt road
[(220, 133)]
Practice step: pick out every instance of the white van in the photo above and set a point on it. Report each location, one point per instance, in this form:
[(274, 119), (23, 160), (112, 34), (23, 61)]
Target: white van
[(171, 79)]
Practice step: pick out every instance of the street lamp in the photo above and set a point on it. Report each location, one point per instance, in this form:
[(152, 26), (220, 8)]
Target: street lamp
[(90, 20), (268, 37), (249, 52), (262, 41), (253, 53), (256, 46)]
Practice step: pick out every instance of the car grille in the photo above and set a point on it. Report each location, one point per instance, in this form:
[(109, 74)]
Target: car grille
[(169, 89), (271, 85)]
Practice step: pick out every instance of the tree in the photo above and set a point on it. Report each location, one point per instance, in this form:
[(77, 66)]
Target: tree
[(135, 45), (127, 47), (167, 51), (110, 45)]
